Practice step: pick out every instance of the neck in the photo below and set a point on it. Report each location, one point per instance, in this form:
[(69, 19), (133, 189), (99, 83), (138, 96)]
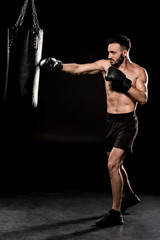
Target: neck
[(125, 63)]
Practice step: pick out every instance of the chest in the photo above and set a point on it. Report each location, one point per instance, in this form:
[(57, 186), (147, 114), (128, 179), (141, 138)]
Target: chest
[(132, 75)]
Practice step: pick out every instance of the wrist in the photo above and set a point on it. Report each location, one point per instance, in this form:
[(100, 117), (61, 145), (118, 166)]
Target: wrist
[(126, 85), (59, 64)]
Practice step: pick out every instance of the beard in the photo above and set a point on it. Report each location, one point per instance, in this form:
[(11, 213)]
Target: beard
[(118, 62)]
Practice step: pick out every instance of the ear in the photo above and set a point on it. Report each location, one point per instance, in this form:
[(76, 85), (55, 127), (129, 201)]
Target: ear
[(125, 53)]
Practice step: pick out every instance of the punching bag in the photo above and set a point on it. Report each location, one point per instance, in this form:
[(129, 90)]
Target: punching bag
[(24, 52)]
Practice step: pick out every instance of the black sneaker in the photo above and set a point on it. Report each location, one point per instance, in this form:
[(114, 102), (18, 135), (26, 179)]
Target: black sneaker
[(111, 218), (129, 201)]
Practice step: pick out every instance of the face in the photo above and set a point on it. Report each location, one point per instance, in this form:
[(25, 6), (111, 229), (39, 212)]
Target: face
[(116, 54)]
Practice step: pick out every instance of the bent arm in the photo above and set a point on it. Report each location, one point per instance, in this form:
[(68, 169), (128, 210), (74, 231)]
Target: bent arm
[(89, 68), (140, 91)]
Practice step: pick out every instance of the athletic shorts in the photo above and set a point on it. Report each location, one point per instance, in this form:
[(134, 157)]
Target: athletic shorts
[(120, 131)]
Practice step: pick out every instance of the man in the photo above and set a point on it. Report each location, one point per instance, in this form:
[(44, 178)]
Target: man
[(126, 85)]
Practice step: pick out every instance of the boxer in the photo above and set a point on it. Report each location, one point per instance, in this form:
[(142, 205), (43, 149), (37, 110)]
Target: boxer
[(126, 85)]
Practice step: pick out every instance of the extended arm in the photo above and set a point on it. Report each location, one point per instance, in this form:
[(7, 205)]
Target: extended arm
[(89, 68), (74, 68)]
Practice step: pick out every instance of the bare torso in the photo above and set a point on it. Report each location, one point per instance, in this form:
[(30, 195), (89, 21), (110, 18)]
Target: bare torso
[(118, 102)]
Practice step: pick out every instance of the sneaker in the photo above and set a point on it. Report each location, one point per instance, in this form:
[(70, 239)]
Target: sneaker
[(129, 202), (111, 218)]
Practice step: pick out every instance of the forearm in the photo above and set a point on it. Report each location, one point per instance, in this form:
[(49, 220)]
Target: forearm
[(72, 68), (138, 95), (76, 69)]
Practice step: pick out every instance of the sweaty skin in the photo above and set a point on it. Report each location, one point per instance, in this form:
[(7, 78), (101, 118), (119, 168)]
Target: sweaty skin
[(117, 102)]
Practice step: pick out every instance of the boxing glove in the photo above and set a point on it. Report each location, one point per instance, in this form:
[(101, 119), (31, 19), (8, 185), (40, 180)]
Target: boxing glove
[(119, 81), (51, 63)]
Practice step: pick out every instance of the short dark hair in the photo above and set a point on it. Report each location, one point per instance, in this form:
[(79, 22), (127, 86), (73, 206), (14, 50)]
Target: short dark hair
[(124, 41)]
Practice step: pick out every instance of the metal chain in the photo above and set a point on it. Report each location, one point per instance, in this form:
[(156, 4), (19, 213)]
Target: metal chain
[(22, 14), (14, 29), (20, 19), (35, 25), (19, 22), (35, 17)]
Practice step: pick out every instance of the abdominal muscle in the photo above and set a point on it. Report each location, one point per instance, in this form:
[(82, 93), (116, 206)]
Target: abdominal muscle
[(119, 102)]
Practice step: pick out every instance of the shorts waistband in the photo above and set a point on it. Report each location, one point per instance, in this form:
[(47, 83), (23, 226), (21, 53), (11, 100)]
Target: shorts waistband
[(120, 115)]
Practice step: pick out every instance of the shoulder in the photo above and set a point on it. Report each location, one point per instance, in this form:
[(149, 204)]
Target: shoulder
[(140, 72), (139, 69)]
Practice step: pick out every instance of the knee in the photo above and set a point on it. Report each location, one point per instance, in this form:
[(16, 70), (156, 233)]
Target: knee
[(113, 166)]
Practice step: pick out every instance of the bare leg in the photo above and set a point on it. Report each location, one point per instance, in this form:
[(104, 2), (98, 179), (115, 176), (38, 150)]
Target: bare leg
[(115, 159), (114, 216), (127, 189), (119, 183)]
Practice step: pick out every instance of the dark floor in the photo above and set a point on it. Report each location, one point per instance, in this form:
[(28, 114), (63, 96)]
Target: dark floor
[(67, 215)]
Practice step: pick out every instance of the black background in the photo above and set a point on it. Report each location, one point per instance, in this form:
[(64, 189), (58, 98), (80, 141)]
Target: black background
[(60, 144)]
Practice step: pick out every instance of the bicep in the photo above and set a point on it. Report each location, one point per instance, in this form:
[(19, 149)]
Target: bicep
[(91, 68), (142, 82)]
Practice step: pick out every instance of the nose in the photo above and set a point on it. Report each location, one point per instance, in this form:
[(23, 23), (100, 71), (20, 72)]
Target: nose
[(109, 55)]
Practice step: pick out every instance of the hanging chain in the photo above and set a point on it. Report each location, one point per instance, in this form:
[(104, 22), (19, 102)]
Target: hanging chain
[(19, 22), (20, 19), (35, 25), (35, 17), (22, 14)]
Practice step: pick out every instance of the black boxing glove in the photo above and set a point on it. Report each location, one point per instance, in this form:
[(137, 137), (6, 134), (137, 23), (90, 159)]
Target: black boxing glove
[(51, 63), (119, 81)]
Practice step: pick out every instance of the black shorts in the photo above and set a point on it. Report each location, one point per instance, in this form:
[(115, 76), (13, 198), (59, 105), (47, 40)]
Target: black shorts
[(120, 131)]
